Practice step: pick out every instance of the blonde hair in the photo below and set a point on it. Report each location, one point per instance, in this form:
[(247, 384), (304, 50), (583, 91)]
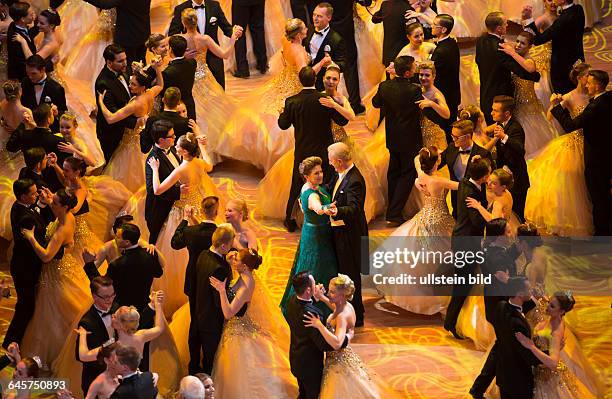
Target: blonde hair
[(224, 234), (129, 318), (241, 205), (70, 117), (293, 26), (344, 284), (189, 17), (427, 65)]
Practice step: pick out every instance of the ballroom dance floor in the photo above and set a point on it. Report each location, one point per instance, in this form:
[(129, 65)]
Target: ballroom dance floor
[(412, 353)]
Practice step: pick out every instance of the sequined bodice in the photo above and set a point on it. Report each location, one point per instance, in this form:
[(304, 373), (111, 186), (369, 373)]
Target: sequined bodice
[(434, 220), (560, 375), (343, 360), (231, 295), (282, 86), (202, 69), (131, 138), (63, 264), (433, 134), (541, 56), (524, 94)]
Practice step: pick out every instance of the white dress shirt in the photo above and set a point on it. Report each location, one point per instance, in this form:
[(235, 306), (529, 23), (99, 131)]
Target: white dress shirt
[(38, 89), (201, 16), (170, 156), (461, 162), (316, 40), (341, 177)]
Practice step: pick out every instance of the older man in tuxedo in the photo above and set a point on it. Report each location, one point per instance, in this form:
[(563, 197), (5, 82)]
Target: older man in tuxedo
[(312, 129), (22, 15), (210, 19), (348, 218), (114, 81), (132, 27)]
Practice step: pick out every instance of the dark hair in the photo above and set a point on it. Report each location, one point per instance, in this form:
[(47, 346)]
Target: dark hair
[(11, 90), (52, 17), (446, 21), (32, 368), (99, 282), (172, 97), (527, 35), (189, 143), (210, 205), (66, 199), (505, 177), (307, 76), (178, 45), (566, 300), (36, 61), (428, 156), (308, 164), (32, 156), (495, 228), (479, 168), (507, 103), (494, 20), (466, 126), (412, 26), (516, 285), (41, 114), (326, 5), (111, 51), (128, 356), (106, 351), (19, 10), (120, 221), (142, 78), (578, 70), (601, 77), (160, 129), (22, 187), (528, 233), (154, 40), (130, 232), (301, 282), (76, 164), (403, 64), (250, 257)]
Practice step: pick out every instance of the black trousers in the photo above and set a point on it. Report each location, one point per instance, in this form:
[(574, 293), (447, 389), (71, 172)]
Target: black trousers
[(400, 180), (209, 342), (156, 217), (215, 64), (598, 186), (253, 17), (302, 9), (349, 263), (519, 197), (309, 384), (460, 291), (351, 72), (487, 374), (297, 181), (25, 285), (135, 53)]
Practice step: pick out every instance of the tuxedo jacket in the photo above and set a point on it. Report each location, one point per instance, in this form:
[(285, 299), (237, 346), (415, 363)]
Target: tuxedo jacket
[(41, 180), (132, 274), (391, 14), (15, 68), (22, 140), (137, 386), (496, 68), (215, 20), (24, 261), (512, 154), (196, 238), (342, 22), (155, 204), (337, 52), (446, 58), (469, 221), (311, 122), (52, 93), (513, 369), (92, 322), (204, 299), (117, 96), (403, 117), (566, 35), (181, 73), (133, 24), (181, 127)]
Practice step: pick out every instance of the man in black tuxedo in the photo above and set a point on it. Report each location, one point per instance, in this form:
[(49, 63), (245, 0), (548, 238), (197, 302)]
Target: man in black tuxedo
[(157, 207), (180, 73), (312, 129), (97, 322), (324, 44), (251, 13), (391, 14), (210, 19), (134, 384), (171, 101), (133, 272), (510, 145), (459, 154), (342, 22), (467, 234), (204, 300), (397, 98), (114, 81), (348, 220), (597, 143), (308, 347), (42, 168), (566, 34), (22, 15), (132, 28), (26, 212), (446, 59), (496, 67), (513, 371), (37, 88)]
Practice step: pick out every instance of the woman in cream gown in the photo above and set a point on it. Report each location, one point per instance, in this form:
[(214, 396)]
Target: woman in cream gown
[(78, 17), (253, 134), (431, 228), (127, 162), (541, 54), (469, 15), (255, 334), (561, 164), (192, 172), (345, 374)]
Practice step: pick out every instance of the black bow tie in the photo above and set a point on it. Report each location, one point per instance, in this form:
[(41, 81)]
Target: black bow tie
[(104, 314), (42, 82), (201, 6), (318, 33), (465, 151)]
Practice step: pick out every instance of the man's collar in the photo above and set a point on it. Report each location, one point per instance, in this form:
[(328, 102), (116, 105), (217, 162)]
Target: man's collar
[(443, 38), (22, 28), (598, 94), (214, 251), (166, 151), (194, 4), (309, 87), (322, 31), (496, 35), (304, 300), (565, 7), (102, 311), (177, 58), (476, 184), (132, 247), (128, 375), (344, 173), (519, 307)]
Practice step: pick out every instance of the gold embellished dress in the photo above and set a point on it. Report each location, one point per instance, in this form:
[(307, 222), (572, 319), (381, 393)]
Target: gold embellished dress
[(558, 201), (530, 114), (127, 163), (541, 56)]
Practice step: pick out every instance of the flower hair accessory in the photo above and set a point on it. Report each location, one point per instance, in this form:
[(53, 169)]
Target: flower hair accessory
[(38, 361), (343, 279), (507, 169)]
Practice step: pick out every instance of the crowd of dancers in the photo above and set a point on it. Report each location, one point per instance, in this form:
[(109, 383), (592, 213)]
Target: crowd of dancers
[(115, 111)]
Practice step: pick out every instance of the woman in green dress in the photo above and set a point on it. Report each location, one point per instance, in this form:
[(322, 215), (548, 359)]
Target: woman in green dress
[(316, 248)]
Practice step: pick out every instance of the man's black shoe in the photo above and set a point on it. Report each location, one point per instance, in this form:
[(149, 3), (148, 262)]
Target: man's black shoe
[(290, 225), (358, 109), (241, 75)]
